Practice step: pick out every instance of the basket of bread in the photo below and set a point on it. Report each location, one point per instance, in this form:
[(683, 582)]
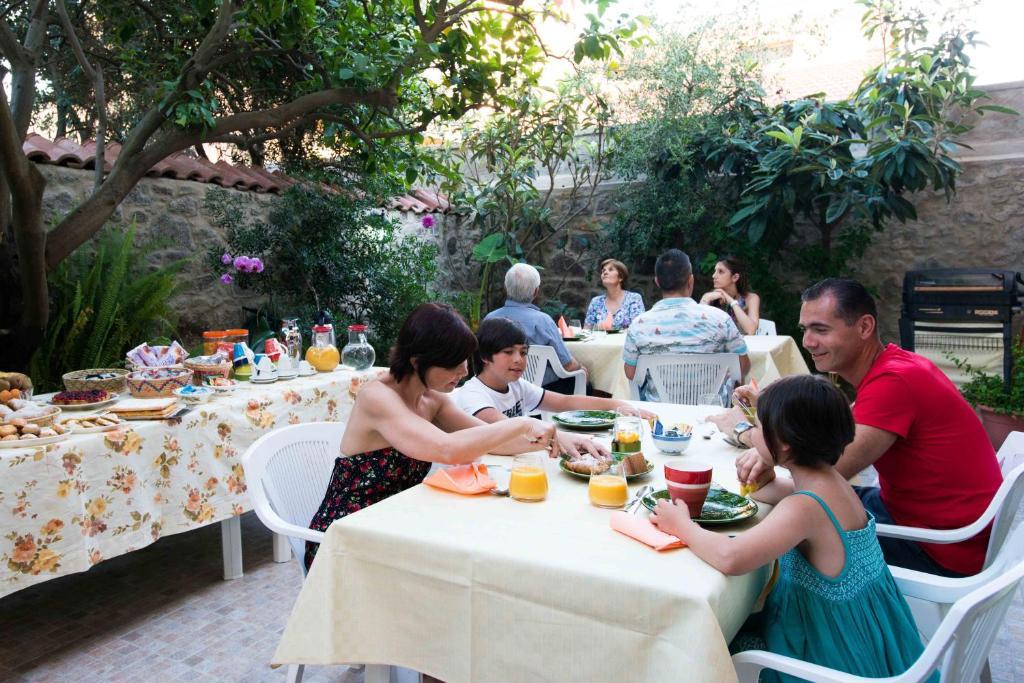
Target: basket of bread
[(158, 382)]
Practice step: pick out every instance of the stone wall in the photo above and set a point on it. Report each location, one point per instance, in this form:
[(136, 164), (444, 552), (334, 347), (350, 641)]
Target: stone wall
[(169, 215)]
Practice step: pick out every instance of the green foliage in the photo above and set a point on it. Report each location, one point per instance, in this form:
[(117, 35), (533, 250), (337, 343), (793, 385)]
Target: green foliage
[(504, 169), (105, 302), (334, 252), (798, 188), (984, 389)]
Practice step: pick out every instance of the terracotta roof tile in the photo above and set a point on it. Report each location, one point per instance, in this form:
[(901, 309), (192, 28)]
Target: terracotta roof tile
[(181, 166)]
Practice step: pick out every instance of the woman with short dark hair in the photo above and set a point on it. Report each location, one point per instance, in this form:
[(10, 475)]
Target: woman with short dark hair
[(404, 421), (732, 293), (617, 308)]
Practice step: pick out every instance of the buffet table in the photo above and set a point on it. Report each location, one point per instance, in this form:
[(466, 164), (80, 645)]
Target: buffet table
[(771, 357), (69, 505), (485, 588)]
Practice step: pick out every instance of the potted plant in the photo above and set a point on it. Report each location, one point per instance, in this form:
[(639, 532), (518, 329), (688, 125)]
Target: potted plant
[(1001, 408)]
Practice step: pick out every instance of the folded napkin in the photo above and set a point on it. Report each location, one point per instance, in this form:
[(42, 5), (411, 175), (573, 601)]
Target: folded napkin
[(564, 328), (643, 530), (468, 479), (607, 323)]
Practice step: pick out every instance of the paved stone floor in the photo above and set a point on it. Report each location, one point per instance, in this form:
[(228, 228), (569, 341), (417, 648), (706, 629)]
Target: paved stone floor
[(164, 614)]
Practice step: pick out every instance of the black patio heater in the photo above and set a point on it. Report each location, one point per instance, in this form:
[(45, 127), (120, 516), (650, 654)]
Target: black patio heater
[(941, 299)]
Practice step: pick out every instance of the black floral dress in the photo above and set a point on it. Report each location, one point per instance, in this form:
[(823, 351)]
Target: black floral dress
[(362, 480)]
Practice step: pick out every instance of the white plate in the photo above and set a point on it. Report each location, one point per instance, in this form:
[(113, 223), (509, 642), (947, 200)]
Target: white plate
[(83, 406), (92, 430), (262, 381), (32, 443)]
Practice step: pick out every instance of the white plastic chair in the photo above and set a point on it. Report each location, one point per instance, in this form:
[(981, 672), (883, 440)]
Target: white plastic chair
[(1011, 453), (287, 472), (1000, 512), (540, 357), (683, 377), (959, 647), (766, 327)]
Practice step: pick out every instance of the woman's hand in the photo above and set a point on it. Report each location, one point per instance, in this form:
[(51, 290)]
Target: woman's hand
[(574, 444), (628, 409), (726, 422), (672, 518), (542, 434), (747, 393), (711, 297)]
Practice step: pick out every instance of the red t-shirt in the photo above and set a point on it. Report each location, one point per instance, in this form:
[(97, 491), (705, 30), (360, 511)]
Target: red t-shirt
[(941, 472)]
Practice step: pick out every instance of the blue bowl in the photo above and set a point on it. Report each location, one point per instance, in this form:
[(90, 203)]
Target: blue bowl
[(670, 444)]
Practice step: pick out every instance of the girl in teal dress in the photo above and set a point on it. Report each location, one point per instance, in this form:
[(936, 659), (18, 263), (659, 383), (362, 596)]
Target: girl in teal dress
[(835, 603)]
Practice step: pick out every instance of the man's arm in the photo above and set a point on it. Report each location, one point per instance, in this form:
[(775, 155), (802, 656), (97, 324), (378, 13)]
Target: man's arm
[(744, 364), (630, 370)]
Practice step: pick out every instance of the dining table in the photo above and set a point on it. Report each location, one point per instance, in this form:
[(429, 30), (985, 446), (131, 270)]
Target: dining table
[(66, 506), (487, 588), (771, 357)]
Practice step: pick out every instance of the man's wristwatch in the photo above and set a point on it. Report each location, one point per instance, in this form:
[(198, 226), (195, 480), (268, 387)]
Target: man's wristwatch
[(741, 427)]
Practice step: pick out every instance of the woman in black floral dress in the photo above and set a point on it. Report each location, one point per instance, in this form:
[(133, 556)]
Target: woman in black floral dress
[(405, 421)]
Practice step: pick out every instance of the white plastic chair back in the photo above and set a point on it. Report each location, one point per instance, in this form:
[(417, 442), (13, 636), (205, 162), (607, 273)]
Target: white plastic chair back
[(683, 377), (287, 472), (766, 327), (962, 642), (1011, 493), (1011, 453), (537, 361)]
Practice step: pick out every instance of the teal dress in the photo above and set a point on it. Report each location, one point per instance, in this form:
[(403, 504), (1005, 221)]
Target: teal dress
[(857, 622)]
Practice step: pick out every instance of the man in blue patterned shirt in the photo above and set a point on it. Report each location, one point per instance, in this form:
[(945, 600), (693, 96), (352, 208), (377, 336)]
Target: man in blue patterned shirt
[(678, 324)]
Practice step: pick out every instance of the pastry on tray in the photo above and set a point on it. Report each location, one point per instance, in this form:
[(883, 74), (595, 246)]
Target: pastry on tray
[(585, 463), (634, 463), (73, 398)]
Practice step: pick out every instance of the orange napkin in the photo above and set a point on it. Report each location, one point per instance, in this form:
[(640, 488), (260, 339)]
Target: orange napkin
[(643, 530), (563, 328), (468, 479), (607, 323)]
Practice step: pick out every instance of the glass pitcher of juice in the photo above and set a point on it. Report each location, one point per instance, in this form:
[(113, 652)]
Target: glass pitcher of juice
[(627, 432), (323, 353), (528, 482), (608, 489)]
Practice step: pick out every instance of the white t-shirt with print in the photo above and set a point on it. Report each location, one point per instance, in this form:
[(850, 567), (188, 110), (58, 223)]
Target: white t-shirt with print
[(521, 398)]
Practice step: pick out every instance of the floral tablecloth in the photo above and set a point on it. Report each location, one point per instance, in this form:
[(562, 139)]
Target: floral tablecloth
[(68, 505)]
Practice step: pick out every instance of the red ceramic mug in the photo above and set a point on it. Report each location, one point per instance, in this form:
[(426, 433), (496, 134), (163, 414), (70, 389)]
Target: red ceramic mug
[(689, 482)]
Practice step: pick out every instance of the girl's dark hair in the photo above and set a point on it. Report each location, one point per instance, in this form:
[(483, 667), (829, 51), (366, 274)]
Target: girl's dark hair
[(810, 415), (738, 267), (436, 336), (493, 335)]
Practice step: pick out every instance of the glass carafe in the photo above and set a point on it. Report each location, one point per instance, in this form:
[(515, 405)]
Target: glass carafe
[(291, 337), (357, 354), (323, 353)]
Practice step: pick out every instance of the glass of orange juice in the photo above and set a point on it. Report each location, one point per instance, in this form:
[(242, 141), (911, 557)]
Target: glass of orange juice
[(628, 431), (608, 489), (529, 481)]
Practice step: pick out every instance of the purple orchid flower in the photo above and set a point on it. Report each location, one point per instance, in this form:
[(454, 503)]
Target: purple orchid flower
[(427, 221), (225, 258), (226, 278)]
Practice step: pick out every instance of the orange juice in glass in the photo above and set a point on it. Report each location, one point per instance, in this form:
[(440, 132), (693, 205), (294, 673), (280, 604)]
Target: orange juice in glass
[(528, 482), (608, 489), (627, 434)]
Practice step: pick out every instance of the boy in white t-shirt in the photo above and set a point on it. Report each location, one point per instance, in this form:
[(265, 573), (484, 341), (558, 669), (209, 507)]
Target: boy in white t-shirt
[(498, 391)]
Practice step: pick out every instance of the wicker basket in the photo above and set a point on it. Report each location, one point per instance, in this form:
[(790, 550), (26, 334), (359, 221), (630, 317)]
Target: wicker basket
[(77, 380), (142, 384), (200, 371), (45, 420)]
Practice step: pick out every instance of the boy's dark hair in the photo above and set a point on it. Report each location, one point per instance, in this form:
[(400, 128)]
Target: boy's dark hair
[(493, 335), (852, 298), (810, 415), (436, 336), (672, 270)]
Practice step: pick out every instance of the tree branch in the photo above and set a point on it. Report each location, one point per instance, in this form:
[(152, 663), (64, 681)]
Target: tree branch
[(10, 46), (23, 84), (94, 74)]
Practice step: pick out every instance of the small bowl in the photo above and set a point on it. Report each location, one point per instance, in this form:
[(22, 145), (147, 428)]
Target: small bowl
[(670, 444), (193, 394)]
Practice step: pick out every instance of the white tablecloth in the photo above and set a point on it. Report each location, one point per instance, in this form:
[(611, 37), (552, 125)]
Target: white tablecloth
[(771, 357), (66, 506), (483, 588)]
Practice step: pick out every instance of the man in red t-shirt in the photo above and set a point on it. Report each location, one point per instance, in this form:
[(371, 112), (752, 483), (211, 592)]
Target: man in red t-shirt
[(936, 466)]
